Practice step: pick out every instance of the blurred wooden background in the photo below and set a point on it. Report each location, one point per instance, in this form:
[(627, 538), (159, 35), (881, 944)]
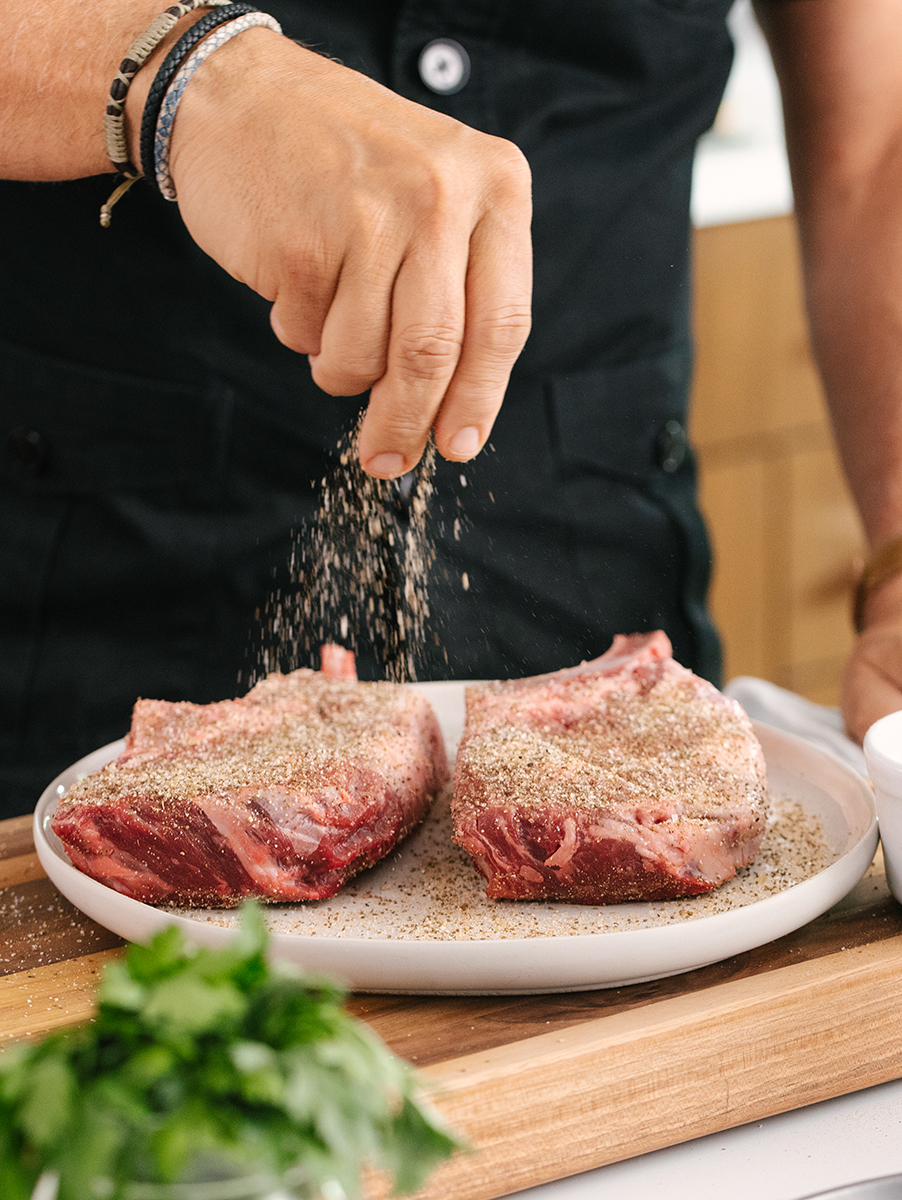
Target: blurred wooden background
[(786, 536)]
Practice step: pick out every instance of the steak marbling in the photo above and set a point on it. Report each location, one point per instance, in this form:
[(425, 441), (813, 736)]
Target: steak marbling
[(625, 778), (282, 794)]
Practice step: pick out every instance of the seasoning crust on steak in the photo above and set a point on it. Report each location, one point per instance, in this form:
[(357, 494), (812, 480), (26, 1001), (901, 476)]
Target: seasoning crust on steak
[(282, 794), (624, 778)]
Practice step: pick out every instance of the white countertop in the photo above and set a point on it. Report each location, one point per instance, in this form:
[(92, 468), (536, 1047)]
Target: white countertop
[(795, 1154)]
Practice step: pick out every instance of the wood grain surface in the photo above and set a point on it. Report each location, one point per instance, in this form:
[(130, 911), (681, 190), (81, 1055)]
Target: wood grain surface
[(785, 531), (550, 1085)]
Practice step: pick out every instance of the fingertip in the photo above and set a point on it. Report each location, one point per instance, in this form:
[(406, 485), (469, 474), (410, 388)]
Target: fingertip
[(385, 466), (464, 445)]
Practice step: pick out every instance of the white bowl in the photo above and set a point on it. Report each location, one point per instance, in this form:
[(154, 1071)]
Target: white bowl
[(883, 754)]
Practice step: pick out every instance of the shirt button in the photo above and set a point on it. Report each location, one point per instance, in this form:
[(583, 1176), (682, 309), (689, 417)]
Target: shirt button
[(444, 66), (28, 450), (673, 446)]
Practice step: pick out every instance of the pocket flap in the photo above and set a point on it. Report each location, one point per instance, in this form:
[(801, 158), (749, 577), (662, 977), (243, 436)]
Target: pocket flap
[(626, 420)]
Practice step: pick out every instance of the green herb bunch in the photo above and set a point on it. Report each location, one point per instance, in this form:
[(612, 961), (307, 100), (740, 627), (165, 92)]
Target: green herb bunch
[(217, 1056)]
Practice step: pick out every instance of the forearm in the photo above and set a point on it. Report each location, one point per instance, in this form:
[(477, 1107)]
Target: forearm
[(842, 98), (55, 74), (843, 103), (855, 304)]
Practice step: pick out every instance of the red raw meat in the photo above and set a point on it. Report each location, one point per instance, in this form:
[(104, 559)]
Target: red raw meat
[(337, 662), (282, 794), (625, 778)]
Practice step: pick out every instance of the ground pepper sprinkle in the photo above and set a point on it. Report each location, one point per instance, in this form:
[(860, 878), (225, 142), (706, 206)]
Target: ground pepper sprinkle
[(358, 573)]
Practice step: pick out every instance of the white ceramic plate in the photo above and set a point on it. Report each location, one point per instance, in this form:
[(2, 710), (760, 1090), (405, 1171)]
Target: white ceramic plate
[(419, 922)]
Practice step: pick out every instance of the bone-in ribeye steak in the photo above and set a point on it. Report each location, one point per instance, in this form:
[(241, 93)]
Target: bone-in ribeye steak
[(625, 778), (282, 794)]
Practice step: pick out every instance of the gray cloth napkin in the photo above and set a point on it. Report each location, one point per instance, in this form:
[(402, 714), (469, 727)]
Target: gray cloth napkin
[(816, 723)]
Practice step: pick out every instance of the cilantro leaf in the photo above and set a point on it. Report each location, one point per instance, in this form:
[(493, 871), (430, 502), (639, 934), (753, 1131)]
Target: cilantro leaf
[(202, 1056)]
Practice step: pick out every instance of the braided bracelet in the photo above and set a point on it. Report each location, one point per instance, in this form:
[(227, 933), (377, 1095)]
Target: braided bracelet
[(882, 566), (114, 115), (174, 94), (171, 64)]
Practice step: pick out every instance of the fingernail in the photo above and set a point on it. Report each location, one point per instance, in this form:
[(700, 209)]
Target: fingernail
[(386, 466), (465, 443)]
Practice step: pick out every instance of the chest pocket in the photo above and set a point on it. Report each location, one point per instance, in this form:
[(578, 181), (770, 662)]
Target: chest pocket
[(626, 421)]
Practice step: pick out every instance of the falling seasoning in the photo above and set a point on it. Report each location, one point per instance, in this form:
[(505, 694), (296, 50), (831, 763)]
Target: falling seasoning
[(358, 572)]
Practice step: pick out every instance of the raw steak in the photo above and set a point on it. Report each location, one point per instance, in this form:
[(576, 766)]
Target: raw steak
[(282, 794), (625, 778)]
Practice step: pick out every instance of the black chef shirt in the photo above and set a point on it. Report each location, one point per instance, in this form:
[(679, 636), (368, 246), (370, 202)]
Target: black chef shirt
[(161, 446)]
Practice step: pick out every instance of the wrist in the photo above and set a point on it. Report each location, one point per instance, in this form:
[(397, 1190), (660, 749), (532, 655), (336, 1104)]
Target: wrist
[(141, 84), (212, 100), (878, 596)]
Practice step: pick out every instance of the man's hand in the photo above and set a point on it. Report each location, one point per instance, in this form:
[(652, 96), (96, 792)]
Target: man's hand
[(872, 683), (393, 241)]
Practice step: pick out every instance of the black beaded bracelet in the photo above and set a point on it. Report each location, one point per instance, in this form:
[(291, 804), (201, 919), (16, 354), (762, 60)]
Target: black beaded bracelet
[(168, 70)]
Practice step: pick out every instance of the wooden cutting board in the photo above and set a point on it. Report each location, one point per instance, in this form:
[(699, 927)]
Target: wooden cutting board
[(545, 1086)]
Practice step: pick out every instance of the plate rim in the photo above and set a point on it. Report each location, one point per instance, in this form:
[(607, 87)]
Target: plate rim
[(716, 929)]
